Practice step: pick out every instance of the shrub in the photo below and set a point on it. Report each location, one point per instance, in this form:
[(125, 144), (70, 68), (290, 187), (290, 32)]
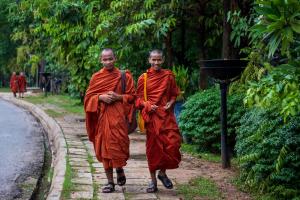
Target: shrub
[(200, 119), (268, 151)]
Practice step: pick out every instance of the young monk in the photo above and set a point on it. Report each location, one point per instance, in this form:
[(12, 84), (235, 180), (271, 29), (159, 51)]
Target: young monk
[(107, 109), (13, 84), (22, 85), (163, 137)]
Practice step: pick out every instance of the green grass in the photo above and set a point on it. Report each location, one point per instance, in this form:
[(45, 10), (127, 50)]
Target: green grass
[(68, 186), (199, 188), (63, 102), (192, 150), (5, 90), (53, 113)]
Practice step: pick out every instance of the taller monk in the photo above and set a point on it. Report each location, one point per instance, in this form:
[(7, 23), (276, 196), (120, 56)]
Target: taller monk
[(13, 84), (163, 137), (107, 107)]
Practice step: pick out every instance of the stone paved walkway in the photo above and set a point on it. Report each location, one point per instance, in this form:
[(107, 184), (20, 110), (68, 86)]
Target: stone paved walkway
[(88, 173)]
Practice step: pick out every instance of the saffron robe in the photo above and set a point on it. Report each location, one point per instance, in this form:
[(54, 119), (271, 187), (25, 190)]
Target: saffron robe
[(22, 83), (13, 84), (106, 123), (163, 137)]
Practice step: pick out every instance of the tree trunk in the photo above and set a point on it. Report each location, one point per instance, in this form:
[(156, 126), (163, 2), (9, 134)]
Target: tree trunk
[(226, 31), (168, 43)]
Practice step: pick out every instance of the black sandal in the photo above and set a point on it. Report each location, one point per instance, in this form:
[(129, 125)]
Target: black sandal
[(121, 179), (165, 181), (152, 188), (109, 188)]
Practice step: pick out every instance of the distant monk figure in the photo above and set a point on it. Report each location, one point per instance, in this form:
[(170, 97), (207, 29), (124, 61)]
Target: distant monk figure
[(22, 84), (13, 84), (107, 106), (163, 137)]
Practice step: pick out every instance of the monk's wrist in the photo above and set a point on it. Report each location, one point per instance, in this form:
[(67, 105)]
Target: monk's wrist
[(120, 97)]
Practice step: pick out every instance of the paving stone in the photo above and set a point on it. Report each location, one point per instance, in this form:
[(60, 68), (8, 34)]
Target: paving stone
[(84, 175), (83, 181), (137, 182), (111, 196), (77, 156), (80, 164), (101, 181), (97, 165), (82, 195), (143, 196), (81, 169), (99, 176), (87, 188), (135, 189), (78, 159)]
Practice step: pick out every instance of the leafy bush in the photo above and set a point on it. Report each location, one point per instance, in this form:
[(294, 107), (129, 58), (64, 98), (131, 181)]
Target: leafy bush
[(200, 119), (269, 152), (280, 87)]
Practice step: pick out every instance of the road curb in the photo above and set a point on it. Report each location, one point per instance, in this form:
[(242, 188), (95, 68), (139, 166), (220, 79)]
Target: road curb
[(56, 140)]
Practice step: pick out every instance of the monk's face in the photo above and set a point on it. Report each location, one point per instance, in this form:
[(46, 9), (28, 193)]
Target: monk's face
[(108, 59), (156, 60)]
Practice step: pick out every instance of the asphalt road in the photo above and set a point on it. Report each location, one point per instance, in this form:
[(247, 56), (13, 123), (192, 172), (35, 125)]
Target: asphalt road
[(21, 150)]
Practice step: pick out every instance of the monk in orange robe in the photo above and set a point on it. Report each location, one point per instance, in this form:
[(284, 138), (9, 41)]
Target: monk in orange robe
[(22, 84), (13, 84), (163, 137), (107, 108)]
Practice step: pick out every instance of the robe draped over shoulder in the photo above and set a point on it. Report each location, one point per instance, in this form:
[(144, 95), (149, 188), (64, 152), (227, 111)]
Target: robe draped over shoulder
[(163, 137), (106, 123)]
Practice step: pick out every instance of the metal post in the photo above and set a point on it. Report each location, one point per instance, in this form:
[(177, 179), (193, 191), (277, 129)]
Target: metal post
[(224, 149)]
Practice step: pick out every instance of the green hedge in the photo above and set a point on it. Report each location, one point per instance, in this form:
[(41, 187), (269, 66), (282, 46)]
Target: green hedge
[(268, 151), (200, 119)]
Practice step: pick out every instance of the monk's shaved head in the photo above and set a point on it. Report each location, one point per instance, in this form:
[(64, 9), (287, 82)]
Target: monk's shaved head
[(156, 51), (107, 50)]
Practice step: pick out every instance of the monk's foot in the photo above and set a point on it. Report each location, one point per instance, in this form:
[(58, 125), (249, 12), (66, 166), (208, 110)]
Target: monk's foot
[(121, 178), (165, 180), (152, 188), (109, 188)]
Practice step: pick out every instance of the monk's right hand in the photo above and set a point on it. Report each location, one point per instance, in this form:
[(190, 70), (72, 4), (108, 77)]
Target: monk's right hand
[(106, 98)]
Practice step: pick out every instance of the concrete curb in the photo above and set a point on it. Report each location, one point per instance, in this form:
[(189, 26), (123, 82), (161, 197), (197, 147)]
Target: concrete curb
[(56, 141)]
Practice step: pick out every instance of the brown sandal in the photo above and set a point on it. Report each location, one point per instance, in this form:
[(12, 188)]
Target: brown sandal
[(165, 181), (152, 188), (108, 188)]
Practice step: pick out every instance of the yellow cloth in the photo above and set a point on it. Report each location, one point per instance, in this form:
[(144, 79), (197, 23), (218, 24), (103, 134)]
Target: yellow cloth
[(141, 122)]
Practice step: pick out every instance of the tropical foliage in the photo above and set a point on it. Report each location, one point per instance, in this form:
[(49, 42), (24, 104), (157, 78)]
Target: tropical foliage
[(200, 119), (269, 153)]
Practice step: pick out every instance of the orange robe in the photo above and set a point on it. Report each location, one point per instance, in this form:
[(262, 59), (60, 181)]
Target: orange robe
[(163, 137), (22, 83), (14, 83), (106, 123)]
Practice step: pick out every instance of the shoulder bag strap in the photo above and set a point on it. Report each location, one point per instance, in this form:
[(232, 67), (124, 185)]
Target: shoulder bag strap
[(145, 86)]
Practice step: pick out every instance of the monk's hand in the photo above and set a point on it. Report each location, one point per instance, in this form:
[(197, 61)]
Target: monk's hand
[(106, 98), (153, 107), (115, 96), (168, 105)]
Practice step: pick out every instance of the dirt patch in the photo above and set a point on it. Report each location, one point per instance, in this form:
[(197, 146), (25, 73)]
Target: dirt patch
[(191, 167)]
